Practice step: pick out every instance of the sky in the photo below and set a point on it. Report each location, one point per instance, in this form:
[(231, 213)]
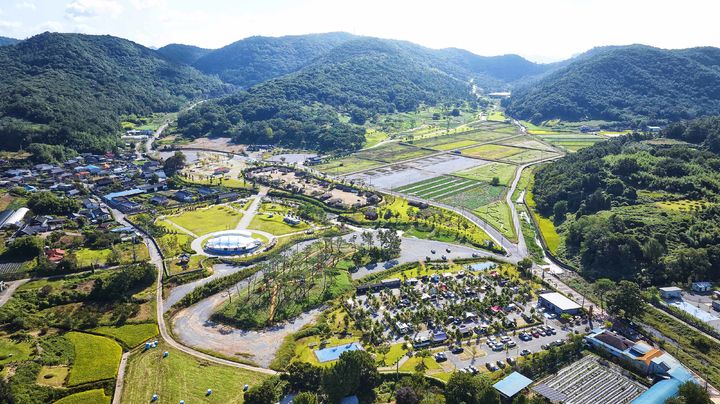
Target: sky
[(540, 30)]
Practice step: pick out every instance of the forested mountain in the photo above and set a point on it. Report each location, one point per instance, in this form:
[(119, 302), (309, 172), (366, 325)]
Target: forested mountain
[(256, 59), (640, 207), (359, 78), (70, 89), (8, 41), (633, 84), (186, 54)]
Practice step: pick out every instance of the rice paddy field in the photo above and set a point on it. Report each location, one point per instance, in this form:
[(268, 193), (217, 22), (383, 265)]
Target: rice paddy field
[(492, 151), (348, 165), (96, 358)]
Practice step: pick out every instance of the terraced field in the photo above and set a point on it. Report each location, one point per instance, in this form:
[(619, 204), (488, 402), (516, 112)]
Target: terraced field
[(492, 151), (574, 141), (391, 153)]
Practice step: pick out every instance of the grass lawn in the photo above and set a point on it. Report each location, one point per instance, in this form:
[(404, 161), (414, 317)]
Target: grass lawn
[(208, 220), (409, 365), (96, 396), (504, 172), (548, 232), (275, 225), (183, 377), (131, 335), (348, 165), (53, 376), (11, 351), (498, 215), (396, 352), (96, 358), (305, 353), (173, 245)]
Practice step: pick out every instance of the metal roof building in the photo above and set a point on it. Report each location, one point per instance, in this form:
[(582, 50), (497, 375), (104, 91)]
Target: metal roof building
[(558, 303), (512, 384)]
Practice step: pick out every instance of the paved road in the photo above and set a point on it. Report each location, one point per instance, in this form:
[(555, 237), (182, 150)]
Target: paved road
[(250, 213), (6, 294), (120, 379)]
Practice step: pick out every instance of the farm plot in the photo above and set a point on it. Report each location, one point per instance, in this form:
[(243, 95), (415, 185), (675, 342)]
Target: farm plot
[(526, 142), (504, 172), (493, 151), (392, 153), (572, 142), (453, 190), (347, 165), (462, 139), (398, 175), (528, 155)]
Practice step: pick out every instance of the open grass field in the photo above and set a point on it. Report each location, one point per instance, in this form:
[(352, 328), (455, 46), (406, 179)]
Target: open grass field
[(275, 224), (683, 205), (11, 351), (183, 377), (96, 396), (131, 335), (347, 165), (207, 220), (498, 215), (53, 376), (492, 151), (392, 153), (373, 137), (497, 116), (173, 245), (466, 138), (504, 172), (96, 358), (87, 257)]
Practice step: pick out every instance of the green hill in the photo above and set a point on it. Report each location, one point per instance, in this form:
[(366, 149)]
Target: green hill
[(256, 59), (640, 207), (70, 89), (8, 41), (185, 54), (632, 84)]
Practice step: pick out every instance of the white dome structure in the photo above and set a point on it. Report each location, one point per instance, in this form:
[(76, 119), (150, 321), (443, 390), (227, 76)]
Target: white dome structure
[(232, 242)]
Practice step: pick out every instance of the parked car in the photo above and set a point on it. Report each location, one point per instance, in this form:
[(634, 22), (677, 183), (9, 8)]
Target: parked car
[(525, 352), (432, 251), (501, 364), (457, 349), (511, 344), (440, 357), (491, 366), (511, 360)]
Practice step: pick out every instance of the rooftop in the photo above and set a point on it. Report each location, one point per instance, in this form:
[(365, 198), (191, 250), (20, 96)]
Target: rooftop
[(560, 301), (512, 384)]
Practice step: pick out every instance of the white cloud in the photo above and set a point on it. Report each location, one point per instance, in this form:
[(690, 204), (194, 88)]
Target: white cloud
[(26, 5), (148, 4), (79, 9), (9, 25)]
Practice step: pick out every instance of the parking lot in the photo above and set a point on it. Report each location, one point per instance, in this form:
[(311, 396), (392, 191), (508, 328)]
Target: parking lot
[(485, 354), (699, 306)]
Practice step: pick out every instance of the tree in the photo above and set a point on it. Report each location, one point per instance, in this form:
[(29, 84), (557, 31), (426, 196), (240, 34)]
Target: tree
[(495, 181), (406, 395), (305, 397), (353, 374), (47, 203), (464, 388), (302, 376), (267, 392), (25, 247), (6, 394), (559, 211), (626, 300), (174, 163), (524, 266), (602, 287), (690, 393)]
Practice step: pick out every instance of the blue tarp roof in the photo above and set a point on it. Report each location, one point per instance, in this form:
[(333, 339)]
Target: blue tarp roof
[(512, 384)]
